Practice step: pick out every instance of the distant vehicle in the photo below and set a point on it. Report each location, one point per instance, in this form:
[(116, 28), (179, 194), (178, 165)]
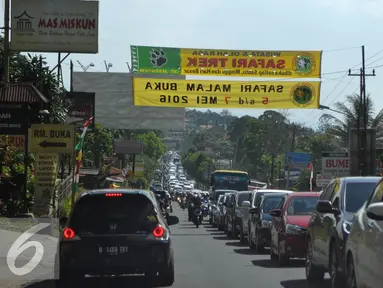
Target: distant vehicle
[(229, 180), (114, 232)]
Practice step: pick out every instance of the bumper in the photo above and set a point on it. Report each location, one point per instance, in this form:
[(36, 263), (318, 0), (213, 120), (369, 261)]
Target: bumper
[(294, 246), (139, 259), (264, 235)]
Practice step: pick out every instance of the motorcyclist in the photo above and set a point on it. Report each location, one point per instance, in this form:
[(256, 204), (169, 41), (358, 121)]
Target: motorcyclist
[(189, 202), (197, 203)]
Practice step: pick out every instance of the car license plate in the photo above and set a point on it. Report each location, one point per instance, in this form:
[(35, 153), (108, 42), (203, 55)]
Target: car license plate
[(113, 250)]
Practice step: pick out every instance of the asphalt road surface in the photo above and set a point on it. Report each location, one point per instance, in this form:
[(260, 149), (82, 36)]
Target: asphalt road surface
[(205, 257)]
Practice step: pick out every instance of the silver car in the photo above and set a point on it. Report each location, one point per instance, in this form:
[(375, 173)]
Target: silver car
[(241, 214)]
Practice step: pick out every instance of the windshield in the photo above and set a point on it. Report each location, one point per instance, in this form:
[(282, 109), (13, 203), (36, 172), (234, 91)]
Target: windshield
[(270, 203), (302, 205), (219, 193), (357, 194), (221, 199)]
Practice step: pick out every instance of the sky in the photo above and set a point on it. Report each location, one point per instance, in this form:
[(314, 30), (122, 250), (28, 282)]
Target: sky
[(338, 27)]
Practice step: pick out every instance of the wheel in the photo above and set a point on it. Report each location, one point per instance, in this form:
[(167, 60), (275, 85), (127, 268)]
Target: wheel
[(337, 279), (234, 233), (250, 239), (69, 277), (166, 277), (258, 246), (314, 274), (210, 221), (351, 278), (273, 256), (242, 236), (221, 227)]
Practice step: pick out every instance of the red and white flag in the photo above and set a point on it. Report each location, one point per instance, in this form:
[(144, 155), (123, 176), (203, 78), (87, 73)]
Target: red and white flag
[(311, 176)]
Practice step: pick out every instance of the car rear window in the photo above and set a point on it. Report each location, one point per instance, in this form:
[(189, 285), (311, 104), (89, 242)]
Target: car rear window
[(302, 205), (218, 193), (243, 197), (270, 203), (357, 194), (98, 214)]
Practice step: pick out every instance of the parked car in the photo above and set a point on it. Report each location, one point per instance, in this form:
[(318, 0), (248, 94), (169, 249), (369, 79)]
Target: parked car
[(364, 248), (220, 212), (255, 198), (231, 230), (115, 232), (260, 223), (330, 226), (242, 213), (289, 226), (213, 204)]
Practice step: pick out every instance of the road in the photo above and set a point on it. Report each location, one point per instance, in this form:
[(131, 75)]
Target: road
[(205, 257)]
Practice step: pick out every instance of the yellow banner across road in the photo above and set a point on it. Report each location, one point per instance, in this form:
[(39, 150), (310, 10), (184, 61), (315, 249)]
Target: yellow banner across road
[(272, 64), (225, 94)]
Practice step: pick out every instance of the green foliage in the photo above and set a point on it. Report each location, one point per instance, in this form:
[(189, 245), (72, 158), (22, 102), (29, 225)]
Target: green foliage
[(196, 164), (97, 144), (153, 146)]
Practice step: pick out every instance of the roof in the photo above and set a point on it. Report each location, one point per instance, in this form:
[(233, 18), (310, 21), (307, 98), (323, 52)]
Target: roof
[(21, 93), (123, 191), (244, 192), (230, 171), (270, 195), (360, 179), (225, 190), (305, 194), (273, 191)]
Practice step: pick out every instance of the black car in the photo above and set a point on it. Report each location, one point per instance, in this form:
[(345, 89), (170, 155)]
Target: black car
[(330, 226), (260, 219), (116, 232)]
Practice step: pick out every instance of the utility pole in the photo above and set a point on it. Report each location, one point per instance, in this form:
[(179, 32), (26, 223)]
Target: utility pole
[(362, 137), (291, 157), (6, 40)]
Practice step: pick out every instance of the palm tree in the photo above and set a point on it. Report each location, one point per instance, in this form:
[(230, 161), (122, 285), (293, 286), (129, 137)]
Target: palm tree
[(351, 108)]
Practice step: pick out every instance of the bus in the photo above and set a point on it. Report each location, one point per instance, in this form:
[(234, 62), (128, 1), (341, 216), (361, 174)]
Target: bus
[(229, 180), (255, 185)]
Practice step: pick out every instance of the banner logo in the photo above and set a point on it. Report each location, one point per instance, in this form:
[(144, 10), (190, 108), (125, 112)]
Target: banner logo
[(302, 94)]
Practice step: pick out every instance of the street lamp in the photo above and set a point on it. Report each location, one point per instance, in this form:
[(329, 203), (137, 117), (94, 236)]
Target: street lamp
[(85, 68), (323, 107), (108, 66)]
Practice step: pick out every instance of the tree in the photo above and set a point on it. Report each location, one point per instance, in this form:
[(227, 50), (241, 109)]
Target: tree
[(351, 108), (153, 146), (197, 164), (97, 145)]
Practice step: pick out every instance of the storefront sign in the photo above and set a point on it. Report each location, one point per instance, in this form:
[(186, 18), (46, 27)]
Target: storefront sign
[(46, 167), (13, 120), (54, 26), (17, 142), (225, 94), (336, 164), (248, 63)]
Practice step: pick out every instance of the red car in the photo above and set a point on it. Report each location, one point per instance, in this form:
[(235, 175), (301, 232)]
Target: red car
[(289, 226)]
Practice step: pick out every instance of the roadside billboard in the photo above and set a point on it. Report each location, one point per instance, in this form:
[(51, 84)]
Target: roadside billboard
[(336, 164), (323, 180), (225, 94), (243, 63), (54, 26), (298, 159), (114, 107)]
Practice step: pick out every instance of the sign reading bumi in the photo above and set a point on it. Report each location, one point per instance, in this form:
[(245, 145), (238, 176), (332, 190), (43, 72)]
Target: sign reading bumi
[(52, 138)]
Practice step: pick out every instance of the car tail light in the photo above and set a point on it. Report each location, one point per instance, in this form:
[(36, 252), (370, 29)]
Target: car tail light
[(113, 194), (68, 233), (159, 231)]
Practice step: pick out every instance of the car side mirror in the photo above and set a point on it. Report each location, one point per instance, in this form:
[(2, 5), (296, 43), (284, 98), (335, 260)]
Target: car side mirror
[(324, 206), (375, 211), (63, 221), (245, 204), (172, 220), (276, 213)]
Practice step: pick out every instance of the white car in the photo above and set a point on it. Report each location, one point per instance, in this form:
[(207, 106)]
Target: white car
[(364, 248)]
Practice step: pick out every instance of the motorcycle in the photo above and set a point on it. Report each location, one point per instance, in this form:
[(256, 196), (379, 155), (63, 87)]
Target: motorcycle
[(198, 216), (205, 210)]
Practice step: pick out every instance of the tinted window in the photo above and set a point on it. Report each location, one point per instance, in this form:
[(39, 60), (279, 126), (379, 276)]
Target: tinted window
[(129, 214), (302, 205), (357, 194), (270, 203), (218, 193), (242, 197), (220, 200), (162, 194)]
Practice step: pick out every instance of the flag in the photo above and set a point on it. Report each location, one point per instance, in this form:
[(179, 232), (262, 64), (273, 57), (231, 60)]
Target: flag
[(78, 148), (311, 176)]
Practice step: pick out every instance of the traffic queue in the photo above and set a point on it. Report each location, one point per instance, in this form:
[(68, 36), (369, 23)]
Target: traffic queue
[(338, 230)]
